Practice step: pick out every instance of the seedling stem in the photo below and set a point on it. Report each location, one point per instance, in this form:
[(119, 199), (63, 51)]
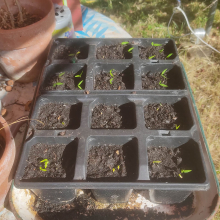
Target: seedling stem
[(80, 84)]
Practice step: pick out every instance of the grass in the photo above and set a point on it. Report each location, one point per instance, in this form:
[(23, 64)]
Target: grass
[(148, 19)]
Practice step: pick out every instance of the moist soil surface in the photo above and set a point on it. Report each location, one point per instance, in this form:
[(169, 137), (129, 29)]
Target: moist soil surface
[(116, 52), (164, 162), (106, 116), (28, 19), (156, 51), (106, 161), (66, 81), (104, 81), (39, 152), (160, 116), (153, 80), (63, 52), (54, 116)]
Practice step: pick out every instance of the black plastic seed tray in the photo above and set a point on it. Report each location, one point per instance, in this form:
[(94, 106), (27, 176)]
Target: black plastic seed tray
[(135, 137)]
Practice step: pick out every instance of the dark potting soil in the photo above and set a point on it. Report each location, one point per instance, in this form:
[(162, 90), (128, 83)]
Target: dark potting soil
[(153, 80), (117, 51), (164, 162), (156, 51), (54, 116), (160, 116), (60, 162), (103, 81), (72, 53), (66, 81), (106, 161), (106, 116)]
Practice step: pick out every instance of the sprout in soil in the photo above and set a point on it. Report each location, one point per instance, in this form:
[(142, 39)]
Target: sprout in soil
[(169, 55), (111, 76), (57, 84), (161, 50), (130, 50), (184, 171), (118, 167), (45, 161), (177, 127), (161, 84), (113, 170), (156, 45), (80, 84), (156, 161), (79, 75), (161, 104), (63, 123), (61, 74), (151, 57), (162, 74), (125, 42)]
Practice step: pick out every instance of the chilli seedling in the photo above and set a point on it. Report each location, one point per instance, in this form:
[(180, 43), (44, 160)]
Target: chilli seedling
[(162, 74), (45, 161), (57, 84), (80, 84), (177, 127), (79, 75), (156, 161), (112, 76), (130, 50), (63, 123), (113, 170), (161, 84), (124, 43), (151, 57), (161, 50), (155, 45), (169, 55), (61, 74), (184, 171)]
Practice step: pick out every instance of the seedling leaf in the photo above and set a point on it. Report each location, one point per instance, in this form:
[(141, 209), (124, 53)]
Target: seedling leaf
[(79, 75), (180, 176), (113, 170), (111, 80), (156, 161), (157, 109), (78, 52), (57, 84), (63, 123), (80, 84), (130, 49), (163, 71), (71, 55), (156, 45), (125, 42), (161, 50), (61, 74), (177, 127), (118, 167), (161, 104), (111, 72), (43, 169), (161, 84), (170, 55), (45, 161), (151, 57), (186, 171)]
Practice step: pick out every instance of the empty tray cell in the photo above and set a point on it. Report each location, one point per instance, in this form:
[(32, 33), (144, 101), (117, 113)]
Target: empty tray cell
[(161, 77), (50, 160), (114, 51), (58, 113), (71, 51), (113, 77), (65, 77), (167, 113), (112, 113), (175, 159), (112, 158), (158, 50)]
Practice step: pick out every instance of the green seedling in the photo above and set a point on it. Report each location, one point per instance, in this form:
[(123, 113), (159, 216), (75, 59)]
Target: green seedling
[(157, 109), (170, 55), (177, 127), (161, 84), (63, 123), (111, 80), (162, 74), (124, 43), (71, 55), (80, 84), (79, 75), (77, 52), (161, 104), (118, 167), (111, 73), (45, 161), (180, 176), (155, 45), (130, 50), (156, 161), (161, 50), (57, 84), (186, 171), (113, 170), (61, 74), (151, 57)]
